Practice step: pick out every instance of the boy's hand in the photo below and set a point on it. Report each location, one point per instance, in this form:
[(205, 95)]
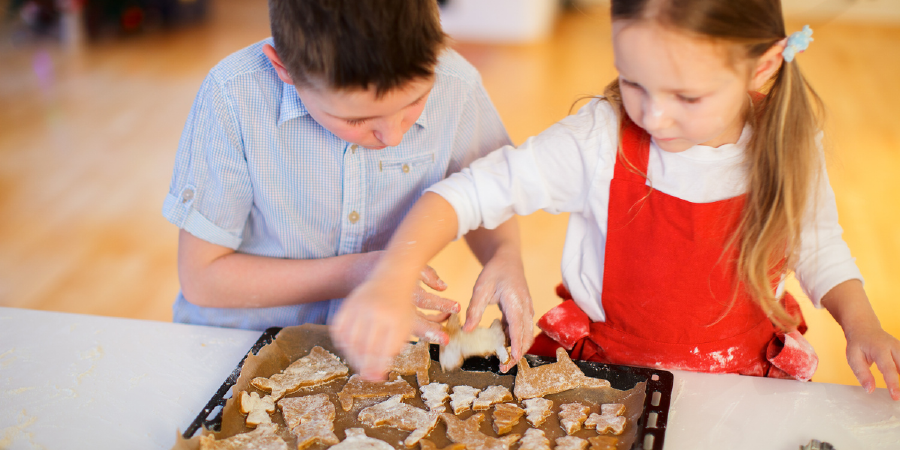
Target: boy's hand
[(872, 345), (502, 283), (429, 327)]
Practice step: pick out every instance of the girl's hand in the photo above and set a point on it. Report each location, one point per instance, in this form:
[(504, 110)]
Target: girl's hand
[(867, 342), (376, 320), (873, 345), (372, 326), (502, 283)]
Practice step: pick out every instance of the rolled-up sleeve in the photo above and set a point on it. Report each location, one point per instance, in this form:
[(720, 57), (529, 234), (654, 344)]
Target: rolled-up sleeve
[(824, 260), (210, 194)]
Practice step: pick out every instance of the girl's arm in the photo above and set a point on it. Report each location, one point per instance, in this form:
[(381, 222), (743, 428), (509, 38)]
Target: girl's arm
[(867, 342), (551, 171), (826, 258), (376, 319)]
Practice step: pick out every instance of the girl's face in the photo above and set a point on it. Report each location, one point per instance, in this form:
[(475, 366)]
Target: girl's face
[(679, 88)]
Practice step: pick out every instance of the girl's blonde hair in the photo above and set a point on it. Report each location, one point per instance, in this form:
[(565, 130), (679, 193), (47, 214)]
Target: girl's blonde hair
[(782, 155)]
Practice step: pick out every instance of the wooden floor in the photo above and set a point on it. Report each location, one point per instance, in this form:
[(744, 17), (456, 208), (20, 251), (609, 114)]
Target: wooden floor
[(87, 143)]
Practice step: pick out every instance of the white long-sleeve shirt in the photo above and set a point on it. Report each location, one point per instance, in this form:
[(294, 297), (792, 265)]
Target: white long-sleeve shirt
[(568, 168)]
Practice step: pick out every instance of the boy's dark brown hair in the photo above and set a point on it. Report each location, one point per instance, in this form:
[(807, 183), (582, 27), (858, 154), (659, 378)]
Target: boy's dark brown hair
[(380, 44)]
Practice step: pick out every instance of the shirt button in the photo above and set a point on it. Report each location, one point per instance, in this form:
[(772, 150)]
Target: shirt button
[(354, 217), (406, 168), (353, 148), (187, 195)]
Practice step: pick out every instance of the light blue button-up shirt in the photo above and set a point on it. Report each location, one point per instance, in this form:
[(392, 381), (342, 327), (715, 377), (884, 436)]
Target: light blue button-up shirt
[(256, 173)]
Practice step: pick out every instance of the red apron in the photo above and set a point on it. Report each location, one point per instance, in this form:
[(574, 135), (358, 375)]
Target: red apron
[(669, 291)]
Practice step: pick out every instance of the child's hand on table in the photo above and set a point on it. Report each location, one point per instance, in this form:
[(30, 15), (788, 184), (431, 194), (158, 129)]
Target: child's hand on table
[(502, 283), (867, 342), (872, 345)]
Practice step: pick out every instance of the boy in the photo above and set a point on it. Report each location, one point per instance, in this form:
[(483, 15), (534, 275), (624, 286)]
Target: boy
[(300, 158)]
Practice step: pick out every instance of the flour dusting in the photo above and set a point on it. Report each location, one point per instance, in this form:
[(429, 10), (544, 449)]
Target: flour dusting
[(18, 391), (11, 433), (892, 422), (10, 358), (722, 360), (673, 408), (93, 354)]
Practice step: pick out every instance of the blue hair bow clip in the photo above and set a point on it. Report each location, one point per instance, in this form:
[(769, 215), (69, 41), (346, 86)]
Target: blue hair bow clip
[(797, 43)]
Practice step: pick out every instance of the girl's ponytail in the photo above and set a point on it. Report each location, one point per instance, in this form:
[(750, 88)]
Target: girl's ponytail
[(784, 165)]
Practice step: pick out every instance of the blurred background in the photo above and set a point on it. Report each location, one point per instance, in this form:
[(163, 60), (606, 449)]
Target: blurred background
[(94, 94)]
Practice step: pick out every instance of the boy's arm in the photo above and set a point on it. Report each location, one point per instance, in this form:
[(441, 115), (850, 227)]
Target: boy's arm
[(867, 342), (502, 283), (216, 276)]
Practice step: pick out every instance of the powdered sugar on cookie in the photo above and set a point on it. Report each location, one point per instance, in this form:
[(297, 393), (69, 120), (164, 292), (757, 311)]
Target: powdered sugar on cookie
[(434, 395), (572, 416), (468, 432), (310, 419), (462, 397), (506, 416), (360, 388), (357, 440), (602, 443), (571, 443), (610, 419), (314, 369), (264, 437), (534, 439), (538, 410), (490, 396), (552, 378), (414, 359), (394, 413)]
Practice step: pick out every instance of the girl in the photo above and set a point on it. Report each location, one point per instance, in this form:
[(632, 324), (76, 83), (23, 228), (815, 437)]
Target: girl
[(690, 196)]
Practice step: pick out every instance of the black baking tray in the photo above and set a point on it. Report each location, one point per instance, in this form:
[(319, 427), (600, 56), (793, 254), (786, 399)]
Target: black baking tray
[(651, 425)]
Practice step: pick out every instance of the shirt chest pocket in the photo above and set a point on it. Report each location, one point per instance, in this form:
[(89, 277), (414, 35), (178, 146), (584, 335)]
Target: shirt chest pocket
[(411, 174)]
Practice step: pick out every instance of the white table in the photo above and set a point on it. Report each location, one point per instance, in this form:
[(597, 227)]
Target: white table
[(84, 382)]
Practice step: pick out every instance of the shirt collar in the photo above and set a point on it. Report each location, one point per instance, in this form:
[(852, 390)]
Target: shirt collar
[(292, 107), (422, 121)]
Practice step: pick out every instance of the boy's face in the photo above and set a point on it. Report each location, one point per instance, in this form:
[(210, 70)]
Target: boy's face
[(360, 117)]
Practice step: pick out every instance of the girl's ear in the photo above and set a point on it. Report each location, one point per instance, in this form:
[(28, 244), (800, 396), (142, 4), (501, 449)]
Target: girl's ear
[(767, 65), (276, 62)]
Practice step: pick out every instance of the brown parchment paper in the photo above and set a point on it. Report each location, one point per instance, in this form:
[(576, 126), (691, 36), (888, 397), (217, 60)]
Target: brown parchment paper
[(292, 343)]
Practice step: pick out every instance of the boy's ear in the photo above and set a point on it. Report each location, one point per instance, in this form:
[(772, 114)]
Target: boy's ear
[(767, 65), (276, 62)]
